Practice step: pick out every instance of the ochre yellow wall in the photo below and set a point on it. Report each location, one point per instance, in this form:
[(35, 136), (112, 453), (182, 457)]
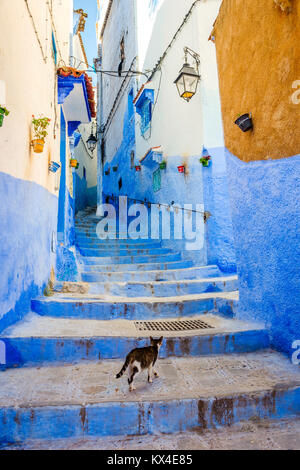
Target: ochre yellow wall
[(258, 51)]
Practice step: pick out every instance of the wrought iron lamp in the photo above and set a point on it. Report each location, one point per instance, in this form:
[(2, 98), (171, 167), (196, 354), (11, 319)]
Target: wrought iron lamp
[(92, 141), (189, 77)]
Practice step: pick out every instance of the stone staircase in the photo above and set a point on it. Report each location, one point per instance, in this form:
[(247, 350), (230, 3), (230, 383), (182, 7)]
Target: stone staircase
[(62, 358)]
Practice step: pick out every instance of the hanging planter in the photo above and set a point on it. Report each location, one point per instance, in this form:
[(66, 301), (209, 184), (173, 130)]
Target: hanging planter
[(3, 112), (205, 161), (74, 163), (163, 165), (54, 167), (245, 122), (181, 169), (38, 145), (138, 168), (39, 128)]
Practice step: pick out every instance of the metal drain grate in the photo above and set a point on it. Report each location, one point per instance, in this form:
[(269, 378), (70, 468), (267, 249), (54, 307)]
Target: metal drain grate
[(182, 325)]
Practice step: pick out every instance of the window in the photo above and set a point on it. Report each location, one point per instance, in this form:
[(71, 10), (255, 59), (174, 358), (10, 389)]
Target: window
[(146, 116), (84, 173), (54, 49), (156, 180)]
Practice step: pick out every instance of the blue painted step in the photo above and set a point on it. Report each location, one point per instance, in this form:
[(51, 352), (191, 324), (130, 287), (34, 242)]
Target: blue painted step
[(163, 289), (139, 308), (69, 402), (172, 273), (48, 350), (107, 252), (134, 263), (121, 244)]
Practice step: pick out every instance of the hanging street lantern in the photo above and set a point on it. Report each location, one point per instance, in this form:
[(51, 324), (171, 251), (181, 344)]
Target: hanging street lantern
[(189, 77), (93, 139), (91, 142)]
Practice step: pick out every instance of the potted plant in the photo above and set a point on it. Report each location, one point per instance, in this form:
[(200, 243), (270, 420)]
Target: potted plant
[(181, 169), (107, 172), (74, 163), (115, 169), (138, 168), (40, 133), (163, 165), (3, 112), (205, 161), (244, 122)]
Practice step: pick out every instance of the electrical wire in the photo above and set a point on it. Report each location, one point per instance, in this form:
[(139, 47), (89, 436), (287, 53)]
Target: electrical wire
[(36, 32)]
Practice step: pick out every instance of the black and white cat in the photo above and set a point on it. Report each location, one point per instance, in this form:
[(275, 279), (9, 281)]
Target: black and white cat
[(140, 359)]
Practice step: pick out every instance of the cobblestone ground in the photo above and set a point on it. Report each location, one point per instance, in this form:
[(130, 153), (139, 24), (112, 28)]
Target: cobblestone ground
[(252, 435)]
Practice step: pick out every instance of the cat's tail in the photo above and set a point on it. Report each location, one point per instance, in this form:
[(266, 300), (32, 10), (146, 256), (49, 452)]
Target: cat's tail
[(122, 371)]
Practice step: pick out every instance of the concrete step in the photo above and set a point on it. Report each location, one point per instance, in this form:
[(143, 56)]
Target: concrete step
[(41, 340), (86, 400), (89, 264), (135, 259), (120, 252), (130, 308), (152, 289), (171, 272), (257, 434), (91, 242)]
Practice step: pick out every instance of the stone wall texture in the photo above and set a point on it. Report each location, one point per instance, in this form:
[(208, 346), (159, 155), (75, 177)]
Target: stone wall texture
[(263, 37)]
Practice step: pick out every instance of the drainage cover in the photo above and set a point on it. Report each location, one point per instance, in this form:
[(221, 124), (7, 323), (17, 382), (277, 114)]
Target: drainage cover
[(181, 325)]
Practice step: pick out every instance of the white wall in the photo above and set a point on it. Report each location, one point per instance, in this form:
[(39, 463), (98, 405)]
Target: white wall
[(121, 23), (181, 128), (85, 157), (30, 84)]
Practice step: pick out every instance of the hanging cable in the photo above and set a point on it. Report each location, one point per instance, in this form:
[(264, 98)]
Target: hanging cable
[(36, 32), (163, 56)]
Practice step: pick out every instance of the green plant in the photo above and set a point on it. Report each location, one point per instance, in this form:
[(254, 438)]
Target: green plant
[(4, 111), (39, 127), (205, 160)]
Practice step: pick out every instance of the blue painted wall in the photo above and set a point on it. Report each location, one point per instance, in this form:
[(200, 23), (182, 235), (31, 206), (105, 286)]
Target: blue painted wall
[(265, 205), (28, 215), (66, 207), (219, 231), (84, 196), (204, 186)]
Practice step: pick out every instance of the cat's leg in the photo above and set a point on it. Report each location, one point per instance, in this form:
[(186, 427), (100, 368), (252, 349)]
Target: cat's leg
[(132, 371), (150, 369), (156, 375)]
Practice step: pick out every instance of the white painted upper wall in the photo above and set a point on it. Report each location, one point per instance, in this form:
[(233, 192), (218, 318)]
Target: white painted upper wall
[(30, 83), (181, 128), (86, 159), (120, 24)]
